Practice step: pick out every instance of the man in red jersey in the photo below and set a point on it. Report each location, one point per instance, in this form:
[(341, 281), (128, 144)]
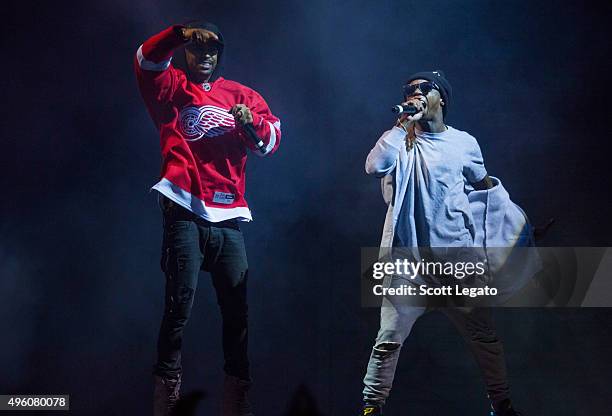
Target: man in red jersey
[(206, 126)]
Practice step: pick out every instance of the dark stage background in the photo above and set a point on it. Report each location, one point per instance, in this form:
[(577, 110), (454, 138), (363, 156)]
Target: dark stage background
[(80, 234)]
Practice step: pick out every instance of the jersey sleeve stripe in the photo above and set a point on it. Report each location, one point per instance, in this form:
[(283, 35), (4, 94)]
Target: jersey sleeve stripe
[(271, 143), (149, 65)]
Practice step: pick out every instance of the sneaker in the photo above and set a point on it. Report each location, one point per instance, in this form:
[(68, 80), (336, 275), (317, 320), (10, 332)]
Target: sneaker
[(235, 397), (371, 410), (165, 395), (504, 408)]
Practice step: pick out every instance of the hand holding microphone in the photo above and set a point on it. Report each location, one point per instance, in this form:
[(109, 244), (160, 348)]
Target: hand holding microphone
[(243, 116), (410, 112), (409, 109)]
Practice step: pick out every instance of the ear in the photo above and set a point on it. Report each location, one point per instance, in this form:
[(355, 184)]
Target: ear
[(442, 103)]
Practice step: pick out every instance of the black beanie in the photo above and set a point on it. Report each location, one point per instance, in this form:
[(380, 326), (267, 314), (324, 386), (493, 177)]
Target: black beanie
[(201, 24), (446, 91)]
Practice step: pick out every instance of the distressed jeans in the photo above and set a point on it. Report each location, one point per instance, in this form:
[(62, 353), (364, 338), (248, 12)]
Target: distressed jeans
[(474, 324), (191, 244)]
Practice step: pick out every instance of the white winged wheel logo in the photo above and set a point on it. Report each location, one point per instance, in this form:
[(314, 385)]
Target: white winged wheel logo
[(205, 122)]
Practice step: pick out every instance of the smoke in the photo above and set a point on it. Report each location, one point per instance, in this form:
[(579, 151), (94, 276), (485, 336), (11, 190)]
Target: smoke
[(81, 285), (18, 281)]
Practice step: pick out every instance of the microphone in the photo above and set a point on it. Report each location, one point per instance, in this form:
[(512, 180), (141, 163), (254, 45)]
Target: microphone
[(407, 109), (250, 131)]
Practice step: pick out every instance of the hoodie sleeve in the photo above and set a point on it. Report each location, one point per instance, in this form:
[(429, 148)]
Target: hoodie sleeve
[(383, 157), (473, 166)]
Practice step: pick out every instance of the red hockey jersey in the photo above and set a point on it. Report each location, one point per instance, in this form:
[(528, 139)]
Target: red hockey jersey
[(204, 153)]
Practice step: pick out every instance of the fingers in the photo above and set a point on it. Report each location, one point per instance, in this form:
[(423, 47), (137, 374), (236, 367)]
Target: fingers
[(237, 109), (405, 117), (212, 35), (417, 103), (415, 117), (242, 114), (202, 36), (405, 120)]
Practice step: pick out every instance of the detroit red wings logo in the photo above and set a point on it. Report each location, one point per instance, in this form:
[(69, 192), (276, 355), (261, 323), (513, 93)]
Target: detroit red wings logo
[(205, 122)]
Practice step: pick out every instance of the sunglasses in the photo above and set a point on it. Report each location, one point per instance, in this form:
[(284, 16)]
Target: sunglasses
[(424, 87)]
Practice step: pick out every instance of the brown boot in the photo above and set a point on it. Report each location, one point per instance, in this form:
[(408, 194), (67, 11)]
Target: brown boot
[(235, 398), (165, 395)]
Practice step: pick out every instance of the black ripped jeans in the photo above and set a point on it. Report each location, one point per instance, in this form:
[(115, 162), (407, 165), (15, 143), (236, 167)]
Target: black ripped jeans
[(191, 244)]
